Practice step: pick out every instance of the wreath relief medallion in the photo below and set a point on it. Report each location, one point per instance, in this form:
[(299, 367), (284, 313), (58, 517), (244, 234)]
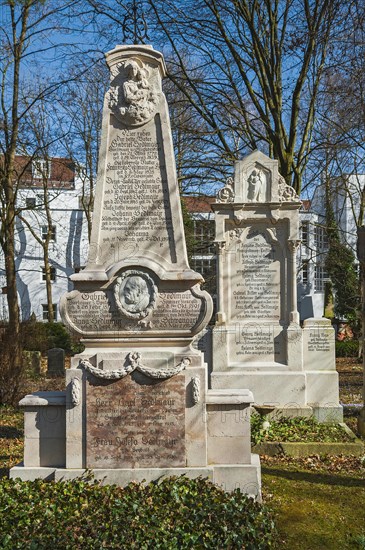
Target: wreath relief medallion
[(135, 294)]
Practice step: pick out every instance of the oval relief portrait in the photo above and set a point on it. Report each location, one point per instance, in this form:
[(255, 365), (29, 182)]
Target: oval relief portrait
[(135, 294)]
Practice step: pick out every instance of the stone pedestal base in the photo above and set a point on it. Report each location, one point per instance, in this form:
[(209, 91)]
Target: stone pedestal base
[(246, 477), (300, 382), (140, 428), (290, 393)]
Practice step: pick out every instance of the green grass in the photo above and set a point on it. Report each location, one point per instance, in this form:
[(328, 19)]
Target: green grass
[(316, 510), (318, 502)]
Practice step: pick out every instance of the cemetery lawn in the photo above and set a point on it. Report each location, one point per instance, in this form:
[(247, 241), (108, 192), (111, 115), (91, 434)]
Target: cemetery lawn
[(319, 503)]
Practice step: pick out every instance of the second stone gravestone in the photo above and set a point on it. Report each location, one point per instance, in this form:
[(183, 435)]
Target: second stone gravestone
[(56, 362), (257, 340)]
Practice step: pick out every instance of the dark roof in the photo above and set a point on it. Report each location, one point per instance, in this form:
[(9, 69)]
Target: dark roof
[(61, 173), (202, 203), (306, 204)]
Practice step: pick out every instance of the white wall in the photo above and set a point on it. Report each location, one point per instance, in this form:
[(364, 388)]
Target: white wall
[(69, 251)]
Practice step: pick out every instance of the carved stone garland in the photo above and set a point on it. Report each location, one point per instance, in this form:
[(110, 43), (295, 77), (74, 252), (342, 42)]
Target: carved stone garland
[(75, 392), (196, 389), (134, 359)]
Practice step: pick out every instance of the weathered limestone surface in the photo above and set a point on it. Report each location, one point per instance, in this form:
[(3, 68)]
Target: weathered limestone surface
[(257, 340), (137, 399)]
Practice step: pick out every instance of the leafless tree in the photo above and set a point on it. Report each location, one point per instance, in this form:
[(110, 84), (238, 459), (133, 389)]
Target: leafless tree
[(29, 29), (253, 72), (80, 115)]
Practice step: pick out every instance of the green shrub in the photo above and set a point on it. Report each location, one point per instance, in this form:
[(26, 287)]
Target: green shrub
[(347, 348), (44, 336), (178, 513)]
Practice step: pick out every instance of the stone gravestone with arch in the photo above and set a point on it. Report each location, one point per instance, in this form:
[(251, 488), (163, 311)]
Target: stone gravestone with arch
[(257, 340)]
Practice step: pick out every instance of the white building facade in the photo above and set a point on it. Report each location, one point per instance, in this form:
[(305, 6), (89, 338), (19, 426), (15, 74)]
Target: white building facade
[(66, 226)]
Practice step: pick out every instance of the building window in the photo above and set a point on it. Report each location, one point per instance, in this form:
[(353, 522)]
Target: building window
[(205, 266), (320, 238), (30, 202), (49, 230), (304, 232), (305, 272), (45, 312), (52, 273), (204, 234), (40, 169), (320, 277)]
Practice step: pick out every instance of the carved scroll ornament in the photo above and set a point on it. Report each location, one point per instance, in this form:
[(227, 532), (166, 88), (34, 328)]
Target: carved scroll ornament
[(226, 194), (286, 192)]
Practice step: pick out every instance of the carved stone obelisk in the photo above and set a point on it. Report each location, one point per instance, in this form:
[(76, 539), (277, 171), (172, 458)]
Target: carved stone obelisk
[(137, 303), (137, 400)]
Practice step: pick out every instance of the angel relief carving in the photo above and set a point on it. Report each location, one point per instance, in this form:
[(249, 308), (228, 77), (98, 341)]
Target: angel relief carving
[(256, 187), (135, 101)]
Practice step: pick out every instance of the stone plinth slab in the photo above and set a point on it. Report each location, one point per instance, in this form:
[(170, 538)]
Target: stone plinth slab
[(271, 387), (246, 477)]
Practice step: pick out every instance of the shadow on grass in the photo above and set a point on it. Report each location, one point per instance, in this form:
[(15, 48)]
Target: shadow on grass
[(315, 477)]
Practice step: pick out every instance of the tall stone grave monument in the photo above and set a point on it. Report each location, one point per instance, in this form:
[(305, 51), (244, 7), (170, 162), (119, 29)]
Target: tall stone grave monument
[(137, 404), (257, 341)]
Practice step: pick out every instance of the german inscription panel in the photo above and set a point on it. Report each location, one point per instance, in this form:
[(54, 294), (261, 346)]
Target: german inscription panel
[(256, 342), (320, 341), (98, 312), (136, 214), (255, 278), (135, 423)]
